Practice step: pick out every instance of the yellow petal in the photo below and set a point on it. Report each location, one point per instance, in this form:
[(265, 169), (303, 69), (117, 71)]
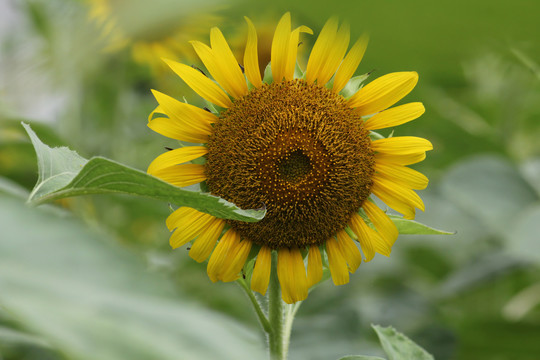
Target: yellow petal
[(349, 250), (292, 275), (202, 85), (408, 177), (397, 197), (337, 263), (406, 159), (320, 50), (386, 227), (261, 271), (185, 122), (395, 116), (191, 117), (314, 268), (335, 55), (228, 64), (402, 145), (293, 51), (189, 228), (350, 63), (369, 238), (205, 243), (365, 235), (383, 92), (280, 47), (176, 219), (236, 258), (176, 156), (174, 130), (220, 253), (251, 58), (214, 67), (181, 175)]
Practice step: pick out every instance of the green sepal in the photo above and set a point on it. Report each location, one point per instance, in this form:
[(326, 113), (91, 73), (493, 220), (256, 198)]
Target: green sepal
[(298, 72), (354, 85), (268, 78)]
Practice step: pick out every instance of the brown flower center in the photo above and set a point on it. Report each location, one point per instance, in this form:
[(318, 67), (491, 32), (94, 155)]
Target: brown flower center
[(297, 149)]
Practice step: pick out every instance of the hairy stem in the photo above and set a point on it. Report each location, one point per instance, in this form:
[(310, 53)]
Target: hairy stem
[(263, 320), (275, 315)]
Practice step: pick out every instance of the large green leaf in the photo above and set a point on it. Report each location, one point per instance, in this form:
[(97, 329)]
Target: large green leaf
[(409, 227), (489, 189), (63, 173), (76, 291), (399, 347), (522, 238), (360, 357)]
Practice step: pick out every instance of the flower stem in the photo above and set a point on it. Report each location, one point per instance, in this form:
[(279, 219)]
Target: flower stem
[(278, 324), (275, 315), (289, 318), (263, 320)]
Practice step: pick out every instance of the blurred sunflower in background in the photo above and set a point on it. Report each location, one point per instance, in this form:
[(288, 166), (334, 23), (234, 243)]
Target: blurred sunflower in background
[(300, 144), (154, 40)]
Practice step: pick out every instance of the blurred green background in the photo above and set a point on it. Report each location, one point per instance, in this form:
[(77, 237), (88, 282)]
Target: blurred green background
[(95, 278)]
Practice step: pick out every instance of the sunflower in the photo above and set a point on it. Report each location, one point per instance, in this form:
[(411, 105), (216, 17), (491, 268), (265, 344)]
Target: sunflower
[(296, 143), (154, 41)]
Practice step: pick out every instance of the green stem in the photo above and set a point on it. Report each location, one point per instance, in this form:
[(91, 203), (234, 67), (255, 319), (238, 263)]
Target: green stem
[(278, 323), (275, 315), (289, 318), (263, 320)]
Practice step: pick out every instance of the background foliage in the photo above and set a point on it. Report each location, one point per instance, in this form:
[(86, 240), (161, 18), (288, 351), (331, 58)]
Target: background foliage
[(94, 277)]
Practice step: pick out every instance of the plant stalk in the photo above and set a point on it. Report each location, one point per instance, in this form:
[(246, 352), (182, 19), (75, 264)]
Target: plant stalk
[(276, 340)]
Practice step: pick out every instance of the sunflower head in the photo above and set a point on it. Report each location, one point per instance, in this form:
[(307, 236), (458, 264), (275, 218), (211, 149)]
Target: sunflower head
[(297, 144)]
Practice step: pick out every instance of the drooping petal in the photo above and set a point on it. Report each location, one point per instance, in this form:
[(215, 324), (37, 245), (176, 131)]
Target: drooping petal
[(205, 243), (403, 175), (236, 258), (402, 145), (383, 92), (366, 236), (202, 85), (215, 264), (280, 47), (386, 227), (292, 275), (397, 197), (314, 268), (320, 50), (180, 215), (350, 251), (261, 272), (176, 156), (350, 63), (188, 228), (181, 175), (395, 116), (251, 58), (228, 64), (337, 263), (335, 55)]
